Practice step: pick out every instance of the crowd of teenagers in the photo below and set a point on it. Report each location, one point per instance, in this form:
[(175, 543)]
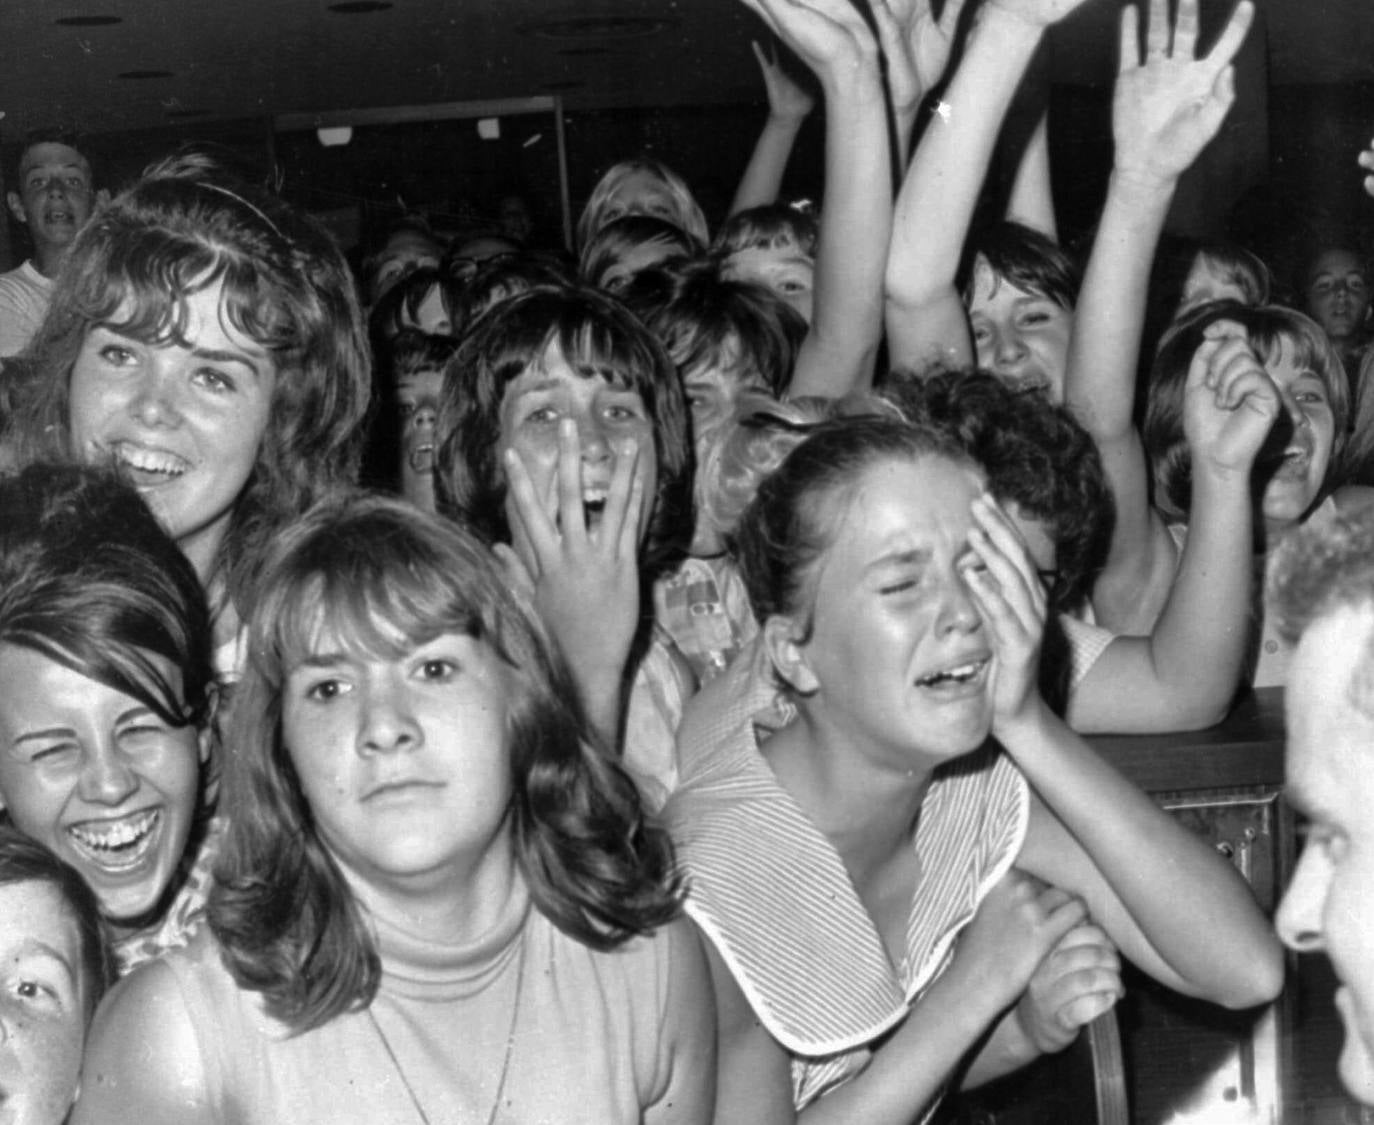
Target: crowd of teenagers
[(502, 686)]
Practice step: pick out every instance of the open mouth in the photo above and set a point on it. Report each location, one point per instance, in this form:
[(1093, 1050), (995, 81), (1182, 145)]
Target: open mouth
[(959, 675), (421, 458), (147, 468), (594, 502), (116, 845)]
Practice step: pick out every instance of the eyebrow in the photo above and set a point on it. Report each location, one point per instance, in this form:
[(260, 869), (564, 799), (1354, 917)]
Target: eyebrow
[(30, 946), (216, 355), (918, 557), (40, 735)]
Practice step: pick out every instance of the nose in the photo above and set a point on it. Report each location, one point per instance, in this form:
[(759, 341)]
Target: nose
[(424, 417), (106, 778), (1294, 409), (1299, 917), (388, 720), (1008, 350), (958, 611), (591, 433), (155, 396)]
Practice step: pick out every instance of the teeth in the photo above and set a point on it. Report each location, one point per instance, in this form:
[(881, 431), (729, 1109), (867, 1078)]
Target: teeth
[(962, 674), (115, 844), (149, 461)]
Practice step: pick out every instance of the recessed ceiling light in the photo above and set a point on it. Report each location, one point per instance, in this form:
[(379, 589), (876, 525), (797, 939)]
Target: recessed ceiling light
[(598, 27), (88, 21), (359, 7), (141, 74)]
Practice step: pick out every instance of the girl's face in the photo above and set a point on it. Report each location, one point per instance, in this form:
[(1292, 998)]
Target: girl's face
[(712, 392), (1310, 429), (97, 777), (404, 761), (786, 269), (641, 193), (898, 651), (1022, 337), (42, 1005), (417, 396), (1208, 281), (183, 422), (1338, 294), (611, 423)]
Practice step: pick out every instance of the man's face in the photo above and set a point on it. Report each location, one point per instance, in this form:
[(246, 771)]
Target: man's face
[(55, 197), (1329, 906)]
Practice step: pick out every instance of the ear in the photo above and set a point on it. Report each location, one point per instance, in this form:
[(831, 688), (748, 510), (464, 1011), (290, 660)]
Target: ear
[(781, 639), (16, 206)]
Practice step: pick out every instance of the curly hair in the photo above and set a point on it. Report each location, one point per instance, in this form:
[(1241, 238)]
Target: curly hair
[(1036, 455), (1266, 327), (602, 205), (599, 339), (183, 227), (386, 578)]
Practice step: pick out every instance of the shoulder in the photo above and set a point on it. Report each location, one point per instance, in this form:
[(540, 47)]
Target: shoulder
[(145, 1016)]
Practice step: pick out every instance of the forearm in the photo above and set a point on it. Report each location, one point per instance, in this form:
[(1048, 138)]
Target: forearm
[(762, 179), (935, 205), (855, 224), (1031, 201), (1175, 906)]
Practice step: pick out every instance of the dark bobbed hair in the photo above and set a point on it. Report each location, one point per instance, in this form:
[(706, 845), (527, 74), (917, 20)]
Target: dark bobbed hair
[(1266, 327), (599, 338), (792, 521), (705, 320), (1024, 257), (25, 860), (609, 245), (399, 307), (175, 232), (1036, 456), (502, 278), (89, 579), (772, 226), (385, 578), (687, 213)]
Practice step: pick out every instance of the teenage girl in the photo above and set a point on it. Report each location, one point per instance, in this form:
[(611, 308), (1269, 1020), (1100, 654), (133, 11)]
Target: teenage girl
[(835, 861), (439, 901), (205, 340)]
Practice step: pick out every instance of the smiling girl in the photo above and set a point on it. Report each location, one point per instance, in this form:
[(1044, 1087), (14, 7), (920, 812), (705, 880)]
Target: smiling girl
[(439, 900), (205, 340)]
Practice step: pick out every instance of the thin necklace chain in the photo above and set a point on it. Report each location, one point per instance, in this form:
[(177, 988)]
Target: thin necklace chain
[(505, 1060)]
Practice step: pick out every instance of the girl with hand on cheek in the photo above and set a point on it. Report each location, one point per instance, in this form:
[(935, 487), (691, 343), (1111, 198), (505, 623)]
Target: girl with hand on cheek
[(205, 340), (919, 797), (105, 701), (563, 441), (439, 901)]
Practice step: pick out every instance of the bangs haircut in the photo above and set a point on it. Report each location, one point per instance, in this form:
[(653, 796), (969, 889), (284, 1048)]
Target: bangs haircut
[(775, 226), (1267, 328), (1025, 258), (740, 327), (380, 576), (89, 579), (599, 338), (621, 237)]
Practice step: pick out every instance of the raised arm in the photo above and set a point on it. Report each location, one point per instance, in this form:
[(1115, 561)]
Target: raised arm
[(1167, 106), (789, 103), (926, 322), (916, 47), (1185, 673), (841, 345), (1172, 904)]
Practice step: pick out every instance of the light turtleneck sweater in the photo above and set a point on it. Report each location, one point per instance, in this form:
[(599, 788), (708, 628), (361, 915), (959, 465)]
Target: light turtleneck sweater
[(586, 1044)]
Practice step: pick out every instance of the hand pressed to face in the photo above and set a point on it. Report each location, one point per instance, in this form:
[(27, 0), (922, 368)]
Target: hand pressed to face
[(1229, 402), (1329, 906), (1168, 105), (183, 420), (42, 1005), (98, 778)]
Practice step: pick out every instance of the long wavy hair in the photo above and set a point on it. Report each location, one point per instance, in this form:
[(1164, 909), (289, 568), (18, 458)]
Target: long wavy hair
[(600, 208), (386, 578), (186, 225), (599, 339)]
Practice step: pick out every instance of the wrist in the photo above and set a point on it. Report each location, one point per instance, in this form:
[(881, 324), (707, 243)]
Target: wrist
[(1008, 26), (789, 122), (1139, 183)]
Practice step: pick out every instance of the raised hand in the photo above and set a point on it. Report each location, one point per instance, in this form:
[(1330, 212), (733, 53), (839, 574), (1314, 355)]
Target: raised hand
[(916, 45), (828, 35), (1168, 104), (788, 99), (1035, 13), (1079, 979), (1013, 605), (584, 574), (1229, 401), (1018, 923)]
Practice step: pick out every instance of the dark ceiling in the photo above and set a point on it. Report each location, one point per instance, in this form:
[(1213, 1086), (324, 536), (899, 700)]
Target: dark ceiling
[(115, 65)]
